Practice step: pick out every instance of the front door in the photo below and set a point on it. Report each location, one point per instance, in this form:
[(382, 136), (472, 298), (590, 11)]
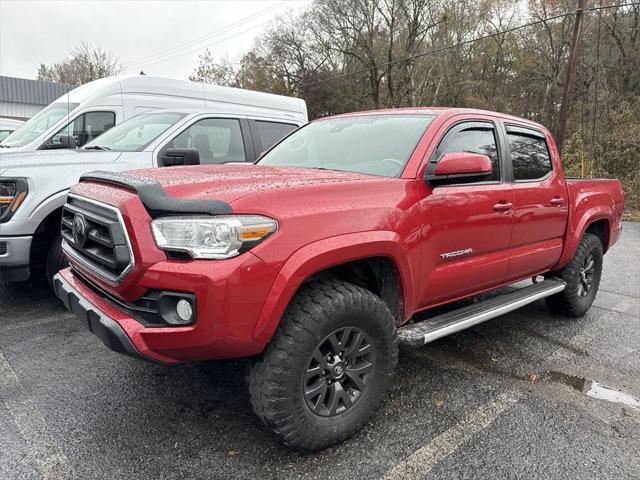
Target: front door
[(466, 226)]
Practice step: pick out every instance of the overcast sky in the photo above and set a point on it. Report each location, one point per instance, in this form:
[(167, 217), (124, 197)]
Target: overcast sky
[(143, 34)]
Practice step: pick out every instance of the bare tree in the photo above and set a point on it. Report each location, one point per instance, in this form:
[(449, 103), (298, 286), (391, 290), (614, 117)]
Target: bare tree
[(210, 71), (84, 64)]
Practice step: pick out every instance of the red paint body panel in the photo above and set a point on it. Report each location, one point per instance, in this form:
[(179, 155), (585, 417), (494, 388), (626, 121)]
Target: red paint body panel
[(509, 231)]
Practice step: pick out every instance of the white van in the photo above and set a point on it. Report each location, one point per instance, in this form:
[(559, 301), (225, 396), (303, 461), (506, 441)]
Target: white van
[(91, 109), (8, 126), (236, 126)]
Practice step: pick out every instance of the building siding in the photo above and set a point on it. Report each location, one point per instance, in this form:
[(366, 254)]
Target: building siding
[(22, 98), (31, 92)]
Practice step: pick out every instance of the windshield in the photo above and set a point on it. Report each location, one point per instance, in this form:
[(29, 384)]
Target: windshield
[(38, 124), (371, 144), (136, 133)]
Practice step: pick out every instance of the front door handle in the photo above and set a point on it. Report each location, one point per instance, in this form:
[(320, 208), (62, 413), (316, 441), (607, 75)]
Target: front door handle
[(557, 201), (503, 206)]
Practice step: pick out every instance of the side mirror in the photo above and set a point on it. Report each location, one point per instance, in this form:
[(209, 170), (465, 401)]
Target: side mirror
[(64, 141), (456, 165), (179, 156)]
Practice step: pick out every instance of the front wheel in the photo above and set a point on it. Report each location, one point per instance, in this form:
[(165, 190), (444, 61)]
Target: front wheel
[(582, 276), (328, 366), (56, 260)]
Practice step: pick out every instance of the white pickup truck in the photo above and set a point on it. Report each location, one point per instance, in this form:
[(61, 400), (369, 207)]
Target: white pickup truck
[(34, 185)]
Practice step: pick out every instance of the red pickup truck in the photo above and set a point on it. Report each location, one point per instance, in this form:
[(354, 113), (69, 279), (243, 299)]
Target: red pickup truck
[(314, 261)]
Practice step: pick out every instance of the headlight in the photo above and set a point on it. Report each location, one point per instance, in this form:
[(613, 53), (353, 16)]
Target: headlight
[(12, 193), (212, 237)]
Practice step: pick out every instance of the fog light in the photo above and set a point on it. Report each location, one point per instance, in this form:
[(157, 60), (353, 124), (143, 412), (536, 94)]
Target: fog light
[(184, 310)]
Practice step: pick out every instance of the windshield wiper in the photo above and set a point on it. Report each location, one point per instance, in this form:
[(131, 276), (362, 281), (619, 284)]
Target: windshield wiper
[(4, 146), (96, 147)]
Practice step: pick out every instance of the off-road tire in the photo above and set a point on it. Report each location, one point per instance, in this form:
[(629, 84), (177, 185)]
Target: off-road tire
[(56, 260), (569, 302), (277, 377)]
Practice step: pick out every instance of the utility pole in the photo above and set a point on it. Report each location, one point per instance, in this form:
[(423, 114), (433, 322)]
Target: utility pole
[(571, 77)]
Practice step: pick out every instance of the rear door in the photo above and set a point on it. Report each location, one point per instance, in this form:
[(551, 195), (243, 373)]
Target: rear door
[(540, 202), (466, 226)]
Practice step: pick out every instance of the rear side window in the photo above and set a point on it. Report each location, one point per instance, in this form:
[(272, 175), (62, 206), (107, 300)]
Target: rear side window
[(218, 140), (530, 156), (473, 140), (270, 132)]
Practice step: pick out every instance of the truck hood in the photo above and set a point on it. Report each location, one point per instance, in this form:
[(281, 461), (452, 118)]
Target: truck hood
[(230, 183), (26, 164)]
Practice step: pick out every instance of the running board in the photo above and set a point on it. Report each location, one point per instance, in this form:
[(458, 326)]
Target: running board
[(418, 334)]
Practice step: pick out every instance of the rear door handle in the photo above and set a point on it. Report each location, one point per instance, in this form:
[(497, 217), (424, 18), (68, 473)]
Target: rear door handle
[(557, 201), (503, 206)]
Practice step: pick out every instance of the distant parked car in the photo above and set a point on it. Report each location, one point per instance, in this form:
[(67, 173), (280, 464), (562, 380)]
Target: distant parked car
[(86, 112), (235, 127), (8, 126)]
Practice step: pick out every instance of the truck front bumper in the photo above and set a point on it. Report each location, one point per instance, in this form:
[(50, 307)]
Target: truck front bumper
[(96, 321), (14, 258), (229, 296)]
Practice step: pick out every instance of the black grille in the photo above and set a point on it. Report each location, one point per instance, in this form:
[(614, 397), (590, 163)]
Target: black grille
[(96, 238), (3, 248)]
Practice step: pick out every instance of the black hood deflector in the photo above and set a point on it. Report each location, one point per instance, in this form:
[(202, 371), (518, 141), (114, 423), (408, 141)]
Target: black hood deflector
[(154, 197)]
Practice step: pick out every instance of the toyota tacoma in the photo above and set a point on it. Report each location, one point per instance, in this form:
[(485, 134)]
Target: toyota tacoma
[(314, 261)]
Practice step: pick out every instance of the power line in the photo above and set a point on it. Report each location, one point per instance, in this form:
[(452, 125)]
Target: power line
[(156, 57), (465, 42), (161, 60)]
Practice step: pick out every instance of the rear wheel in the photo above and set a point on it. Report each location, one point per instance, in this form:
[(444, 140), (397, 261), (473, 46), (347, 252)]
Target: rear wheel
[(328, 366), (582, 276)]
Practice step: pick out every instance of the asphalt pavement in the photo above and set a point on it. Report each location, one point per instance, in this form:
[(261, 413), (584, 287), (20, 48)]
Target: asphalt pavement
[(527, 395)]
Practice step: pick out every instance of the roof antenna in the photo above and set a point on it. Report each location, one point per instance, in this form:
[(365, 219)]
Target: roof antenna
[(142, 73)]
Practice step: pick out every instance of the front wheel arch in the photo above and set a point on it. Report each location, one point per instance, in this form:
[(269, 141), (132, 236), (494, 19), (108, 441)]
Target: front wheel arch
[(324, 255)]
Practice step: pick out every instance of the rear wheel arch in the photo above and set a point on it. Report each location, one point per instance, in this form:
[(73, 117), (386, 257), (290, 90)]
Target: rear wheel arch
[(596, 221), (601, 228)]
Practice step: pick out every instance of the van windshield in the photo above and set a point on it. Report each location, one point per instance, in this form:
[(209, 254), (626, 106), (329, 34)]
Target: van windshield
[(38, 124), (135, 134), (370, 144)]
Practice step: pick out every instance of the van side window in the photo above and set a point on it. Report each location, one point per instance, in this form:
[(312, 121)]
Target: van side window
[(473, 140), (530, 156), (271, 132), (218, 140), (86, 127)]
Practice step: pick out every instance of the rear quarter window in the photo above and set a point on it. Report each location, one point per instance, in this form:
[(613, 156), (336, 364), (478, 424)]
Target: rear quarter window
[(270, 132)]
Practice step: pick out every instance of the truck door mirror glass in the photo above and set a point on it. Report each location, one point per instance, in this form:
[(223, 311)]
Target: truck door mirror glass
[(179, 156), (459, 165)]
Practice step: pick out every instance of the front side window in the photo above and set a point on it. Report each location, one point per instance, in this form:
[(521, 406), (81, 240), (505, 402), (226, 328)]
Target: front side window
[(473, 140), (369, 144), (218, 140), (86, 127), (271, 132), (530, 156), (135, 134), (38, 124)]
